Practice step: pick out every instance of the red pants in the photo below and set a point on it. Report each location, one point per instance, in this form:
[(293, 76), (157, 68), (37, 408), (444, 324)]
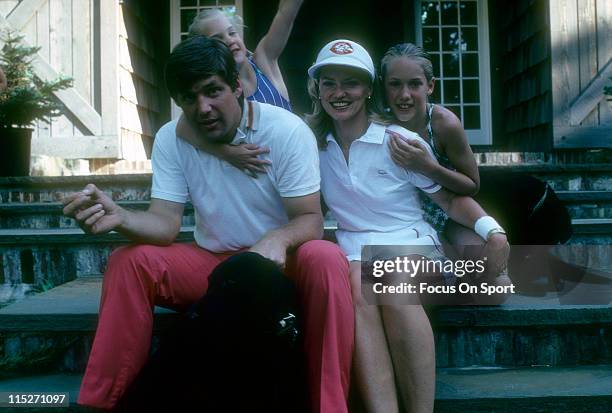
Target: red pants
[(141, 276)]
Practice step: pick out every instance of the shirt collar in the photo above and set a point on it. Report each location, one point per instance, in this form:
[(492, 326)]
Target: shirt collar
[(248, 122), (374, 134)]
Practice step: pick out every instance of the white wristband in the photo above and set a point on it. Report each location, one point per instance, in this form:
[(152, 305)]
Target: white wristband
[(484, 225)]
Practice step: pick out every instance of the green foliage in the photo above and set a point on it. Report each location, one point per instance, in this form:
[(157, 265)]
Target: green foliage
[(27, 98), (608, 90)]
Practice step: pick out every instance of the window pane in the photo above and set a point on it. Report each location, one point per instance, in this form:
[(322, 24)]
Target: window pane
[(450, 65), (187, 17), (472, 117), (470, 39), (471, 93), (449, 13), (468, 13), (430, 40), (470, 64), (187, 3), (450, 39), (208, 2), (451, 91), (435, 96), (435, 62), (455, 109), (429, 13)]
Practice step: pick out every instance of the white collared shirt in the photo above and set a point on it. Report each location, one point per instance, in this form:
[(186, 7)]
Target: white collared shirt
[(232, 209), (375, 201)]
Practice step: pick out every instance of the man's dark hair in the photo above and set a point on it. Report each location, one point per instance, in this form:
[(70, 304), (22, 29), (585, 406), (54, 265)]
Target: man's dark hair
[(197, 58)]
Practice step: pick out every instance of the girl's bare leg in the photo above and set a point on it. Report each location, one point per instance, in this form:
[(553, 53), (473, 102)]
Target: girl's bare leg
[(372, 368)]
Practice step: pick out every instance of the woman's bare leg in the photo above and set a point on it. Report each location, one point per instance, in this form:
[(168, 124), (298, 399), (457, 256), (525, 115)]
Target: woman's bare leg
[(411, 341), (372, 368)]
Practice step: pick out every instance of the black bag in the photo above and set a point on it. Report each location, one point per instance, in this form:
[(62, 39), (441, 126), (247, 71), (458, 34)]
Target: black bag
[(237, 350)]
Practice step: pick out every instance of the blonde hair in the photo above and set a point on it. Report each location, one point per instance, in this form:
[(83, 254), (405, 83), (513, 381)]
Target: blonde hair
[(196, 27), (321, 123)]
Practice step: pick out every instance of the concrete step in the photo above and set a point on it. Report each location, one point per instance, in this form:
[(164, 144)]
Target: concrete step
[(56, 328), (528, 390)]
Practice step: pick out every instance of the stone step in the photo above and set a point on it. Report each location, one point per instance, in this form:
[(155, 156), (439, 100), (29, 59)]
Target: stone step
[(587, 204), (52, 383), (57, 255), (56, 327), (581, 205), (41, 215), (53, 188), (568, 177), (53, 330), (529, 390)]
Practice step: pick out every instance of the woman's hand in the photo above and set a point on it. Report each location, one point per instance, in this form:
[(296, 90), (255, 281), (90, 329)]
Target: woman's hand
[(411, 154), (246, 157)]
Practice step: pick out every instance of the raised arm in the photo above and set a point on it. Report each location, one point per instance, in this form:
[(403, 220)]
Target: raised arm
[(273, 43), (97, 213), (305, 224)]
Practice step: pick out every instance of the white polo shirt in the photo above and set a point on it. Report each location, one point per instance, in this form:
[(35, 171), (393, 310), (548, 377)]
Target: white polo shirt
[(375, 201), (232, 209)]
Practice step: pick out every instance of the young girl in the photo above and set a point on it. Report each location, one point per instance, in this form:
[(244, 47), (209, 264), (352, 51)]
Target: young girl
[(260, 75), (525, 206), (375, 202)]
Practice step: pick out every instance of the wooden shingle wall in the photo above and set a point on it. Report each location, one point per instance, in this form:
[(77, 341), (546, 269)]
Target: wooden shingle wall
[(140, 80), (581, 39), (67, 33), (526, 101)]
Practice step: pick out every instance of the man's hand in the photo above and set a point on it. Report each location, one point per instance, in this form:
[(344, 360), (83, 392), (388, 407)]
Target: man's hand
[(273, 248), (410, 154), (94, 211), (497, 251)]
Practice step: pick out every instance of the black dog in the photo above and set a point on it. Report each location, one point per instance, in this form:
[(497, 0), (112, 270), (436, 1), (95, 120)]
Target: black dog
[(237, 350)]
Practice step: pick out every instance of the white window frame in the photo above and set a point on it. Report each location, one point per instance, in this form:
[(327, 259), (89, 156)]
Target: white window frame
[(482, 136), (175, 36)]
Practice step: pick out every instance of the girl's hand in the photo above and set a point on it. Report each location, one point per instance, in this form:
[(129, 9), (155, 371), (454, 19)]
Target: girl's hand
[(410, 154), (246, 157)]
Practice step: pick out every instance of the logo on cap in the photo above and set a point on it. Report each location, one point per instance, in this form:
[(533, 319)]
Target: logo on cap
[(341, 48)]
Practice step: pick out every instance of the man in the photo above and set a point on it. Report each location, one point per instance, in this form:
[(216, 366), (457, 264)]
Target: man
[(276, 215)]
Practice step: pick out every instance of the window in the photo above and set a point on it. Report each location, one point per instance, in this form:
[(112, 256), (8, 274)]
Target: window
[(182, 13), (455, 33)]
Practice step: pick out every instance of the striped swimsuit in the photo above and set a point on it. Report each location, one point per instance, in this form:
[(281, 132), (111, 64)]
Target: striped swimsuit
[(266, 92)]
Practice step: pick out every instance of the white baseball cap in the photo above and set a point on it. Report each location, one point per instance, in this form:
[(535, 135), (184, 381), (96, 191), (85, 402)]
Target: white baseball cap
[(343, 52)]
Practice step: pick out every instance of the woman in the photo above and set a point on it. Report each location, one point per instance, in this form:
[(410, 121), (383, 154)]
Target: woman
[(260, 75), (536, 216), (375, 202)]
